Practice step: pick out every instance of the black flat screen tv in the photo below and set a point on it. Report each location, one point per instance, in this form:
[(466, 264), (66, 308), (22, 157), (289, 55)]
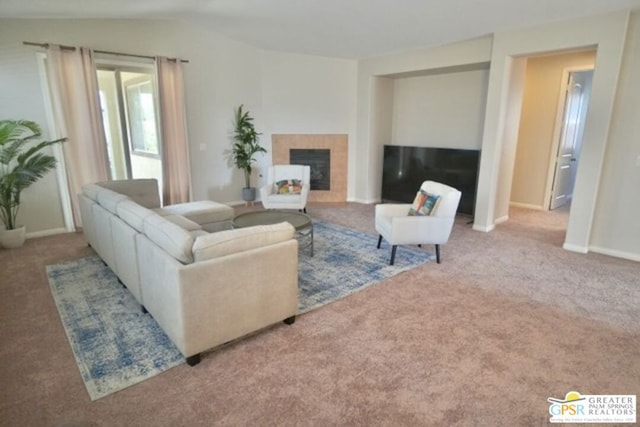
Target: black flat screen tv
[(406, 168)]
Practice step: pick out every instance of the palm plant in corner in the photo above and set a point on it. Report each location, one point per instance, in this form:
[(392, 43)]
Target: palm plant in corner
[(21, 164), (245, 147)]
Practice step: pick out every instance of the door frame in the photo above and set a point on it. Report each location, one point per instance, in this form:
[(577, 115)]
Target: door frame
[(557, 130)]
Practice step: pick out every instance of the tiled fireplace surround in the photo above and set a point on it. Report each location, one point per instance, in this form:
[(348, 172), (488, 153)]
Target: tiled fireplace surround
[(337, 144)]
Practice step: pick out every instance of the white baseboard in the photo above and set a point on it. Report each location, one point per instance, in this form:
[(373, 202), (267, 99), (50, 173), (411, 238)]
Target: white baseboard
[(527, 206), (364, 201), (575, 248), (615, 253), (44, 233), (501, 220), (484, 229), (239, 203)]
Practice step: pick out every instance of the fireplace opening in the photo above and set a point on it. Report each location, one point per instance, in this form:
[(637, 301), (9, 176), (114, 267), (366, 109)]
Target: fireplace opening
[(320, 162)]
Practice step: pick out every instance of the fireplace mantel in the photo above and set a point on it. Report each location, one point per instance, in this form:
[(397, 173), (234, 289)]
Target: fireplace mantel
[(337, 144)]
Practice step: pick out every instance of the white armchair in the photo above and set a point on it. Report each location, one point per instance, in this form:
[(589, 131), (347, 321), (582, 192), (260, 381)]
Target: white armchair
[(394, 223), (287, 187)]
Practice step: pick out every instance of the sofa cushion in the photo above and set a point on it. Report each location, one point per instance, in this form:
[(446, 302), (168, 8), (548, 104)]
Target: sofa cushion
[(241, 239), (285, 198), (183, 222), (162, 211), (202, 212), (91, 191), (198, 233), (142, 191), (175, 240), (133, 214), (110, 199)]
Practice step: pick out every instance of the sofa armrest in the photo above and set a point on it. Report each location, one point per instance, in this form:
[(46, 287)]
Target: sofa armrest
[(143, 191), (208, 303), (238, 294), (240, 240), (392, 209)]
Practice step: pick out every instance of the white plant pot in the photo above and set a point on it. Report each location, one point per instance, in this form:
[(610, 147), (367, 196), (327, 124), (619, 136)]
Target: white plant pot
[(13, 238)]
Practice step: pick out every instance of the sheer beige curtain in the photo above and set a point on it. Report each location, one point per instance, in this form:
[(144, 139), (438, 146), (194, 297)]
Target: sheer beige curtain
[(75, 103), (173, 128)]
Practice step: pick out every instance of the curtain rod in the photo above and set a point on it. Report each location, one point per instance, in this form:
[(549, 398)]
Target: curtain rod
[(46, 46)]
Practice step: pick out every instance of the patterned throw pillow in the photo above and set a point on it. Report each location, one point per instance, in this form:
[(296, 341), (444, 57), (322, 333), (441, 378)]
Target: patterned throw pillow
[(423, 204), (289, 186)]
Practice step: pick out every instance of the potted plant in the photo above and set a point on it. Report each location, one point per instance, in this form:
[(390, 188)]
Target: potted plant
[(21, 164), (245, 146)]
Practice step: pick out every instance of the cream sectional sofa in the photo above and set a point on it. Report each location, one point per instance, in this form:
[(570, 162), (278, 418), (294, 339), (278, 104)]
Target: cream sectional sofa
[(204, 289)]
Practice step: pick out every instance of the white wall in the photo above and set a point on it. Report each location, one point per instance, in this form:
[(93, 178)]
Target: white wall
[(221, 75), (283, 92), (440, 110), (306, 94), (382, 93), (539, 112), (616, 229), (21, 98)]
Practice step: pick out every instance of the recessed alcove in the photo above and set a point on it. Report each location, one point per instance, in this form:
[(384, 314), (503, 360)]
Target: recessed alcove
[(440, 107)]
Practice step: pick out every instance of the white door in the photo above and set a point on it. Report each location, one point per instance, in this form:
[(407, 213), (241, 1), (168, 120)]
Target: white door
[(575, 106)]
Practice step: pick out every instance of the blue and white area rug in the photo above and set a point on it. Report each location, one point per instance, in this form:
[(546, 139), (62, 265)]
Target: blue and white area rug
[(116, 345), (346, 261)]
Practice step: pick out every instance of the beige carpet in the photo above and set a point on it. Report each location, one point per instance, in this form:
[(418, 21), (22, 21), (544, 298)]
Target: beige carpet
[(507, 320)]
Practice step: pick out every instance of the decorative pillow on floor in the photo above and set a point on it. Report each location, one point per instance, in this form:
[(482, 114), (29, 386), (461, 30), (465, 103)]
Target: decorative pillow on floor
[(423, 204), (289, 186)]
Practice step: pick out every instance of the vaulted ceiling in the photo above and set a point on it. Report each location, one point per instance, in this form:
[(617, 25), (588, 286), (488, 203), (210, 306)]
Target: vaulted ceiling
[(336, 28)]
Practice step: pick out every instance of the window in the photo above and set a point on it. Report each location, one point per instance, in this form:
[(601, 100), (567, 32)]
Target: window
[(141, 116), (129, 112)]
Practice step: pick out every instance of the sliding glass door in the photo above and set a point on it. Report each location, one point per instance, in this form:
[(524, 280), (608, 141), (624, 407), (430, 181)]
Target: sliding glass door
[(129, 111)]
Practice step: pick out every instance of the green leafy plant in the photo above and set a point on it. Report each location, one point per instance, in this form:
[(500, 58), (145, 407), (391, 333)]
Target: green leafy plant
[(21, 164), (246, 144)]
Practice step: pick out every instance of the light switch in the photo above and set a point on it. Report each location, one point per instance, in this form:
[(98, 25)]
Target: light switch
[(203, 147)]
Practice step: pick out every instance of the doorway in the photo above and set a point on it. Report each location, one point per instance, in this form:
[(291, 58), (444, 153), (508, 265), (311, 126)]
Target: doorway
[(574, 99), (545, 81), (128, 99)]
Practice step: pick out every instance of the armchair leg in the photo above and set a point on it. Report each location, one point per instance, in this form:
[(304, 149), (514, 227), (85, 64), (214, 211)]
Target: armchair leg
[(438, 254), (393, 254), (379, 240)]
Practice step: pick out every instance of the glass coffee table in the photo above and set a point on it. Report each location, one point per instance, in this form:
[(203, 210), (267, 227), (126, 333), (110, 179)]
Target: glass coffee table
[(301, 222)]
